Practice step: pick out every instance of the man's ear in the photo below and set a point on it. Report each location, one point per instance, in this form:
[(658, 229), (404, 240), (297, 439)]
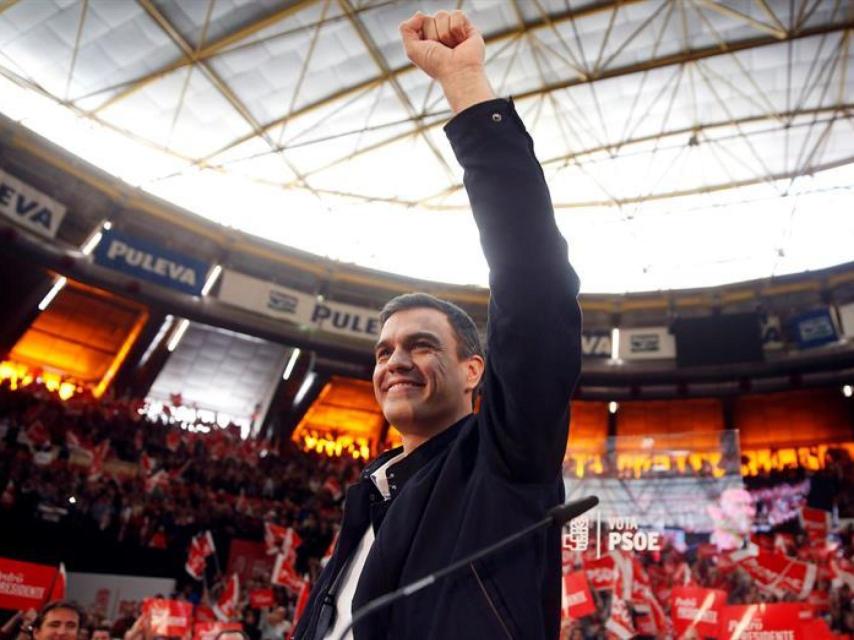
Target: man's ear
[(474, 372)]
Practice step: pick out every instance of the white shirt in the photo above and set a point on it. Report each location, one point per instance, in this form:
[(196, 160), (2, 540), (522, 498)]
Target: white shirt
[(353, 570)]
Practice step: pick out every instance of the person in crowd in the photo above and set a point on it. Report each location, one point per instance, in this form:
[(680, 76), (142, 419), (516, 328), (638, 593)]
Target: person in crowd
[(101, 632), (57, 620), (463, 480), (275, 624)]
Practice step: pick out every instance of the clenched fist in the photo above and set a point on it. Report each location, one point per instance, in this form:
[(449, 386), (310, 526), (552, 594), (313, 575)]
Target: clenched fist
[(448, 48)]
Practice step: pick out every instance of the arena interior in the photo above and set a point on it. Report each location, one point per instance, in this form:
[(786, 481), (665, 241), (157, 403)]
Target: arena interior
[(207, 202)]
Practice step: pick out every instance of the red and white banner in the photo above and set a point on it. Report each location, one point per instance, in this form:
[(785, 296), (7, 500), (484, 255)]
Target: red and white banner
[(619, 624), (283, 540), (225, 608), (842, 572), (759, 621), (302, 603), (779, 574), (169, 618), (210, 630), (201, 547), (25, 585), (577, 599), (284, 575), (261, 598), (607, 573), (696, 608), (815, 522)]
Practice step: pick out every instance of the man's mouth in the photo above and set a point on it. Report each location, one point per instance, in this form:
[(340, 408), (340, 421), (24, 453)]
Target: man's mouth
[(402, 385)]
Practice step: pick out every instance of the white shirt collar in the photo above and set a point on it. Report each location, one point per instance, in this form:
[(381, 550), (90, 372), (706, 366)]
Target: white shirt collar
[(379, 476)]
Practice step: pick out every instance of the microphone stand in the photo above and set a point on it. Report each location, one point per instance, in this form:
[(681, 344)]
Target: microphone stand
[(558, 515)]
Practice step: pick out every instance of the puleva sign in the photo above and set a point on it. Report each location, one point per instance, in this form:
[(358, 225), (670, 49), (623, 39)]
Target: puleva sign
[(28, 207), (148, 261)]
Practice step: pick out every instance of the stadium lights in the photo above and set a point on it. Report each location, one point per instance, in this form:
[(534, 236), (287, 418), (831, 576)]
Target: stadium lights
[(847, 390), (93, 240), (615, 344), (289, 368), (91, 243), (211, 281), (613, 407), (304, 387), (178, 334), (54, 290), (72, 500)]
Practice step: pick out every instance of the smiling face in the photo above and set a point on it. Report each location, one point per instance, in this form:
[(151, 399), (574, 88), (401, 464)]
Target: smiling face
[(58, 624), (421, 383)]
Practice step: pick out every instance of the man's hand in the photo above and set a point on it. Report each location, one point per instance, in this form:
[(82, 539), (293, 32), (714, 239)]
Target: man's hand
[(449, 49)]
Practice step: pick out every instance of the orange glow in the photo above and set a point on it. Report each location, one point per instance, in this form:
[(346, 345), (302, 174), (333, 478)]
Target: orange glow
[(344, 420), (20, 375), (812, 457), (336, 446), (122, 355), (83, 336)]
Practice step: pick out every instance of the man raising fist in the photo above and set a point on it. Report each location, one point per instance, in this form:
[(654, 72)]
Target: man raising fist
[(462, 481)]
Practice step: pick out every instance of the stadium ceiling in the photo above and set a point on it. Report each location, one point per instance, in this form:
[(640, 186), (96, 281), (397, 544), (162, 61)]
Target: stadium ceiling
[(687, 143)]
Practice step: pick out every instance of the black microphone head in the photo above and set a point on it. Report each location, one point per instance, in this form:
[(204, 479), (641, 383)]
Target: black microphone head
[(563, 513)]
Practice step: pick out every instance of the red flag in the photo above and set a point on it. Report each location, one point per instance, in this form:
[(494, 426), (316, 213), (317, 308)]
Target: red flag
[(170, 618), (815, 522), (226, 606), (577, 600), (696, 608), (261, 598), (279, 539), (302, 602), (284, 575), (59, 586), (201, 547), (159, 479), (760, 620), (603, 573), (779, 574), (619, 624)]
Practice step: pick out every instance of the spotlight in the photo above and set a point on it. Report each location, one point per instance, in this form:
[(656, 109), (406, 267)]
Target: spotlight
[(612, 407), (847, 390)]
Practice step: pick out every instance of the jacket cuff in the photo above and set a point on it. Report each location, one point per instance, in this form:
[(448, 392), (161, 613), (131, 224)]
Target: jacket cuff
[(482, 119)]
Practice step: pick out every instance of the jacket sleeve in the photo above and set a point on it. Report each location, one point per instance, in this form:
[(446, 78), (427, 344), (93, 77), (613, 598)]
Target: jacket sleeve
[(534, 330)]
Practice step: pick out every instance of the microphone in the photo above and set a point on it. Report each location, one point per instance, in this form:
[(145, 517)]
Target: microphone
[(559, 515)]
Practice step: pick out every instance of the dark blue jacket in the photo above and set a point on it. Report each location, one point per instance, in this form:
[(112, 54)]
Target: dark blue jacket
[(497, 471)]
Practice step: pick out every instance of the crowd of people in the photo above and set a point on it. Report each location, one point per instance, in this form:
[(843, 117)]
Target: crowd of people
[(105, 468)]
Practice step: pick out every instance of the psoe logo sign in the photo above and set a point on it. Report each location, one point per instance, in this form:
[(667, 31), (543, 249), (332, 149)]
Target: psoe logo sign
[(614, 533), (624, 534)]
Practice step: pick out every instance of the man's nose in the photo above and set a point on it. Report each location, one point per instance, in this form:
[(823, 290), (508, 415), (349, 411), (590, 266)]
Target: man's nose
[(399, 359)]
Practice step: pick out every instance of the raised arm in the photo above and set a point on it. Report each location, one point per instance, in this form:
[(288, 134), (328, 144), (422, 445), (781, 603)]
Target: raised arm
[(533, 347)]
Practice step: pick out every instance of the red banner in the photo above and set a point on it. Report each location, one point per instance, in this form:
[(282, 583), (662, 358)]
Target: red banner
[(696, 608), (602, 573), (779, 574), (210, 630), (755, 621), (25, 585), (815, 522), (577, 599), (170, 618), (261, 598)]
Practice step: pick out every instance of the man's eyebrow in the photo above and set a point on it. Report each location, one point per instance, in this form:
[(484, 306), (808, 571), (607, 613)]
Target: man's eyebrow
[(412, 337)]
